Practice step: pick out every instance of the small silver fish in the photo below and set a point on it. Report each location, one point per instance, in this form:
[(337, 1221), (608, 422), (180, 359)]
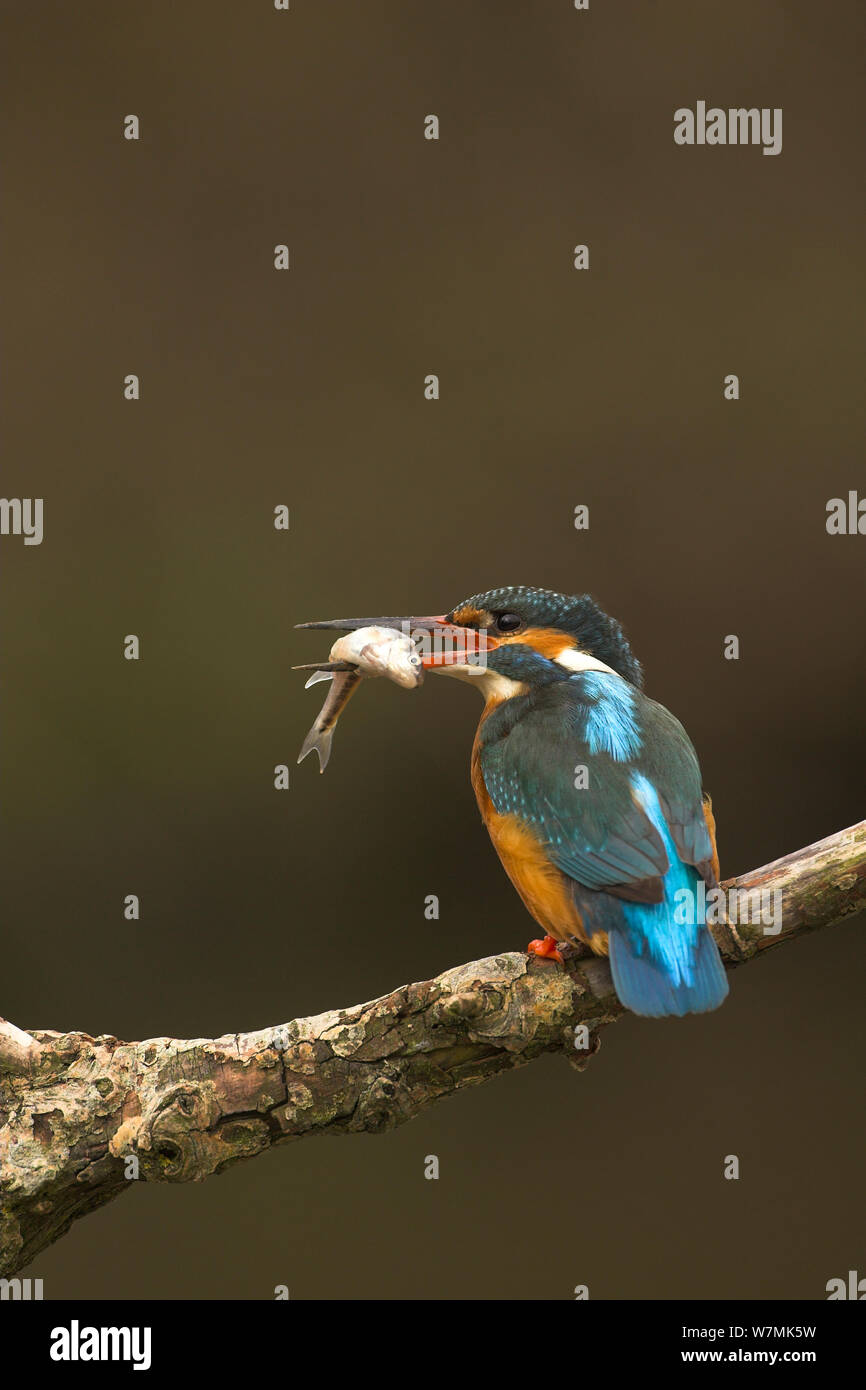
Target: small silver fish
[(368, 651), (343, 686)]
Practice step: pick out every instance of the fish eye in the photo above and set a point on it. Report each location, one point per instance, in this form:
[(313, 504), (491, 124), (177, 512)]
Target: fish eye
[(508, 622)]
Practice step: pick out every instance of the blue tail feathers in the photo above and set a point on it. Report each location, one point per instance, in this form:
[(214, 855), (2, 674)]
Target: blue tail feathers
[(663, 959), (645, 987)]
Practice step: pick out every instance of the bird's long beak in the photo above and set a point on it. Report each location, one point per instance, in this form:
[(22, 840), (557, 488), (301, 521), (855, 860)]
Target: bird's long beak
[(352, 624), (326, 666), (439, 642)]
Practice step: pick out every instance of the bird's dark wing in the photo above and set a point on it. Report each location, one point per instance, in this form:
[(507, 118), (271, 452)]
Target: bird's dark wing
[(669, 761), (599, 835)]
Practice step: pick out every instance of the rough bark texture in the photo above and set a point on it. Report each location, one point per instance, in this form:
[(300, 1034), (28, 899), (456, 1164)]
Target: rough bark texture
[(80, 1116)]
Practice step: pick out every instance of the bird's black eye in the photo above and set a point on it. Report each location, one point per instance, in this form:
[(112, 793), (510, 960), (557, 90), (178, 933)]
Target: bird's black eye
[(507, 622)]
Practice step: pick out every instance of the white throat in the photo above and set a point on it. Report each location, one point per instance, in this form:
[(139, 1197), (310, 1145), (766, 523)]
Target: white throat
[(491, 684)]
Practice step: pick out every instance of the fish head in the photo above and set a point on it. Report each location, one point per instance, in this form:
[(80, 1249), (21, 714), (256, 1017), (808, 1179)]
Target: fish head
[(381, 651)]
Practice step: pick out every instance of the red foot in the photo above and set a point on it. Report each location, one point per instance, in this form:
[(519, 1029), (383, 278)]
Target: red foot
[(547, 947)]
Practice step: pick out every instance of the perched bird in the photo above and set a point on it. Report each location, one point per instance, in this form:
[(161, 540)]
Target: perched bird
[(591, 792)]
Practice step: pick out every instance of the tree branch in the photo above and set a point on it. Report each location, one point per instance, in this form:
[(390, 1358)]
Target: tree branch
[(81, 1116)]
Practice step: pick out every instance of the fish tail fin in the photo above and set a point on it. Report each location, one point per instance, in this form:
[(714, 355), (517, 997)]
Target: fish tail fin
[(320, 740), (645, 987)]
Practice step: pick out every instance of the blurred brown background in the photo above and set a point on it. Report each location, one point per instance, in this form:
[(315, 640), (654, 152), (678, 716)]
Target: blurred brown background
[(306, 388)]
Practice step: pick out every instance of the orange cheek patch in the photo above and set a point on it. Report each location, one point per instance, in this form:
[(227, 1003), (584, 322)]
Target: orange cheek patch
[(545, 640)]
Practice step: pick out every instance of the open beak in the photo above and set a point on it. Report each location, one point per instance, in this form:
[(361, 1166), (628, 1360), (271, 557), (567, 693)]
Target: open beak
[(440, 643)]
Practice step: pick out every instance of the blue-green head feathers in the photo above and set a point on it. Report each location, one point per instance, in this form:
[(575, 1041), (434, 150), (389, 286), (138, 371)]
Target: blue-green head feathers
[(577, 616)]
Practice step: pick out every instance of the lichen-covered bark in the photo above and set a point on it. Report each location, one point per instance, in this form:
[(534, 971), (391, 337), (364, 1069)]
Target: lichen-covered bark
[(81, 1117)]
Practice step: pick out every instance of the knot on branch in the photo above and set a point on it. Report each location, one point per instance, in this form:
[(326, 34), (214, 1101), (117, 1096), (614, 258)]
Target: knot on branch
[(382, 1105), (185, 1135), (173, 1138), (528, 1001), (465, 1008)]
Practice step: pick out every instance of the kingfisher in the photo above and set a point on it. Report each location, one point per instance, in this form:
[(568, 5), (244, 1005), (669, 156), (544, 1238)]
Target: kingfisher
[(590, 791)]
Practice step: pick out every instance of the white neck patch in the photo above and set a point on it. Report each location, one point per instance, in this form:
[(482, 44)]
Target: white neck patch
[(574, 660)]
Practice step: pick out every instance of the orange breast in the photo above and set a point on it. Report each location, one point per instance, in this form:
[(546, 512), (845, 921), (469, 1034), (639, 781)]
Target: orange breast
[(543, 888), (711, 826)]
